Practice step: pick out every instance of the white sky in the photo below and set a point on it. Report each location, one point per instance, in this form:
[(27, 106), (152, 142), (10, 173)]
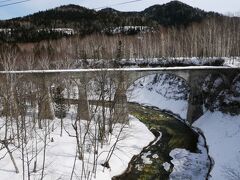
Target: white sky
[(222, 6)]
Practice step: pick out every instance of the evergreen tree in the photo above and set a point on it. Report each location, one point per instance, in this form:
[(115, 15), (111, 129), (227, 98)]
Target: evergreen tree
[(60, 107)]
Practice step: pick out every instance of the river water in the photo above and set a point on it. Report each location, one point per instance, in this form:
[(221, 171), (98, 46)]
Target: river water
[(170, 133)]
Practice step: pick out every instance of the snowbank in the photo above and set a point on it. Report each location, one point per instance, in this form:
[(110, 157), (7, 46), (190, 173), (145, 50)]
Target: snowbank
[(222, 133), (60, 153), (189, 165), (232, 62), (137, 137)]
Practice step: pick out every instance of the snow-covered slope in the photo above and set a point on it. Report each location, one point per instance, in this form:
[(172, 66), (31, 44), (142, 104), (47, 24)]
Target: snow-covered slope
[(222, 133), (166, 92), (188, 165)]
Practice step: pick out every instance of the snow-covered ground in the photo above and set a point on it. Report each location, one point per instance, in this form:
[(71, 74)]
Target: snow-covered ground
[(222, 133), (182, 61), (127, 29), (164, 62), (233, 62), (167, 94), (60, 152), (189, 165)]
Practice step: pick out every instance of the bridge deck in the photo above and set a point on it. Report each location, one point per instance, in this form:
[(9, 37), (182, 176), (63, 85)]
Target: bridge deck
[(123, 69)]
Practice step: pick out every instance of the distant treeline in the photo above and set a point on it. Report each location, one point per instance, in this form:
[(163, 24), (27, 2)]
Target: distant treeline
[(213, 37)]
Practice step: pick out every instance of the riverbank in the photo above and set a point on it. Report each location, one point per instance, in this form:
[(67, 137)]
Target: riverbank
[(221, 131), (177, 151)]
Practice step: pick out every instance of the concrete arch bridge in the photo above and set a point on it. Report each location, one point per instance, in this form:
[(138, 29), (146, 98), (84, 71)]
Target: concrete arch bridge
[(123, 78)]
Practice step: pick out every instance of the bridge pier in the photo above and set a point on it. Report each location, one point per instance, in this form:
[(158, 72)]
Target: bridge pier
[(45, 104), (120, 107), (83, 105), (120, 101), (195, 104)]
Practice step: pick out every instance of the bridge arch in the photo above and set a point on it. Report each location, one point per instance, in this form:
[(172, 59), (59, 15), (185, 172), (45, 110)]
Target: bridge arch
[(134, 76), (177, 92), (134, 79), (214, 76)]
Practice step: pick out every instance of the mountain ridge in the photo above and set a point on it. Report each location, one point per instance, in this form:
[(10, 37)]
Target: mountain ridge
[(86, 21), (168, 9)]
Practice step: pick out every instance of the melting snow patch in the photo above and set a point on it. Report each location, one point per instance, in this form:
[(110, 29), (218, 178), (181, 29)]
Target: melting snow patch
[(189, 165), (139, 167), (166, 166), (145, 159), (155, 156)]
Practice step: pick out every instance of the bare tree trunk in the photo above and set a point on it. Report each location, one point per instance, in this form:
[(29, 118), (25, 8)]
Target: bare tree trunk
[(11, 156), (44, 149)]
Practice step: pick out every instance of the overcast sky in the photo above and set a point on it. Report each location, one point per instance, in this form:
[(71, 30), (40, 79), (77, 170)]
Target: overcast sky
[(222, 6)]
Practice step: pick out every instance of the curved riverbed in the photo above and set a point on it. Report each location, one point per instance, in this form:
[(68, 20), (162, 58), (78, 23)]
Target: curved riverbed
[(170, 133)]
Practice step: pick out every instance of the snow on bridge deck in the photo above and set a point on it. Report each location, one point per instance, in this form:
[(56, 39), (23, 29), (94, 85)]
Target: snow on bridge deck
[(123, 69)]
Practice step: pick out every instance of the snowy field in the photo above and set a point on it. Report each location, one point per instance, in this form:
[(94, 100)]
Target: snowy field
[(61, 151)]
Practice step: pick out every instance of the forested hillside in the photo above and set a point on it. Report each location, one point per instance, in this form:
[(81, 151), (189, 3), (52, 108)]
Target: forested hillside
[(83, 21)]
